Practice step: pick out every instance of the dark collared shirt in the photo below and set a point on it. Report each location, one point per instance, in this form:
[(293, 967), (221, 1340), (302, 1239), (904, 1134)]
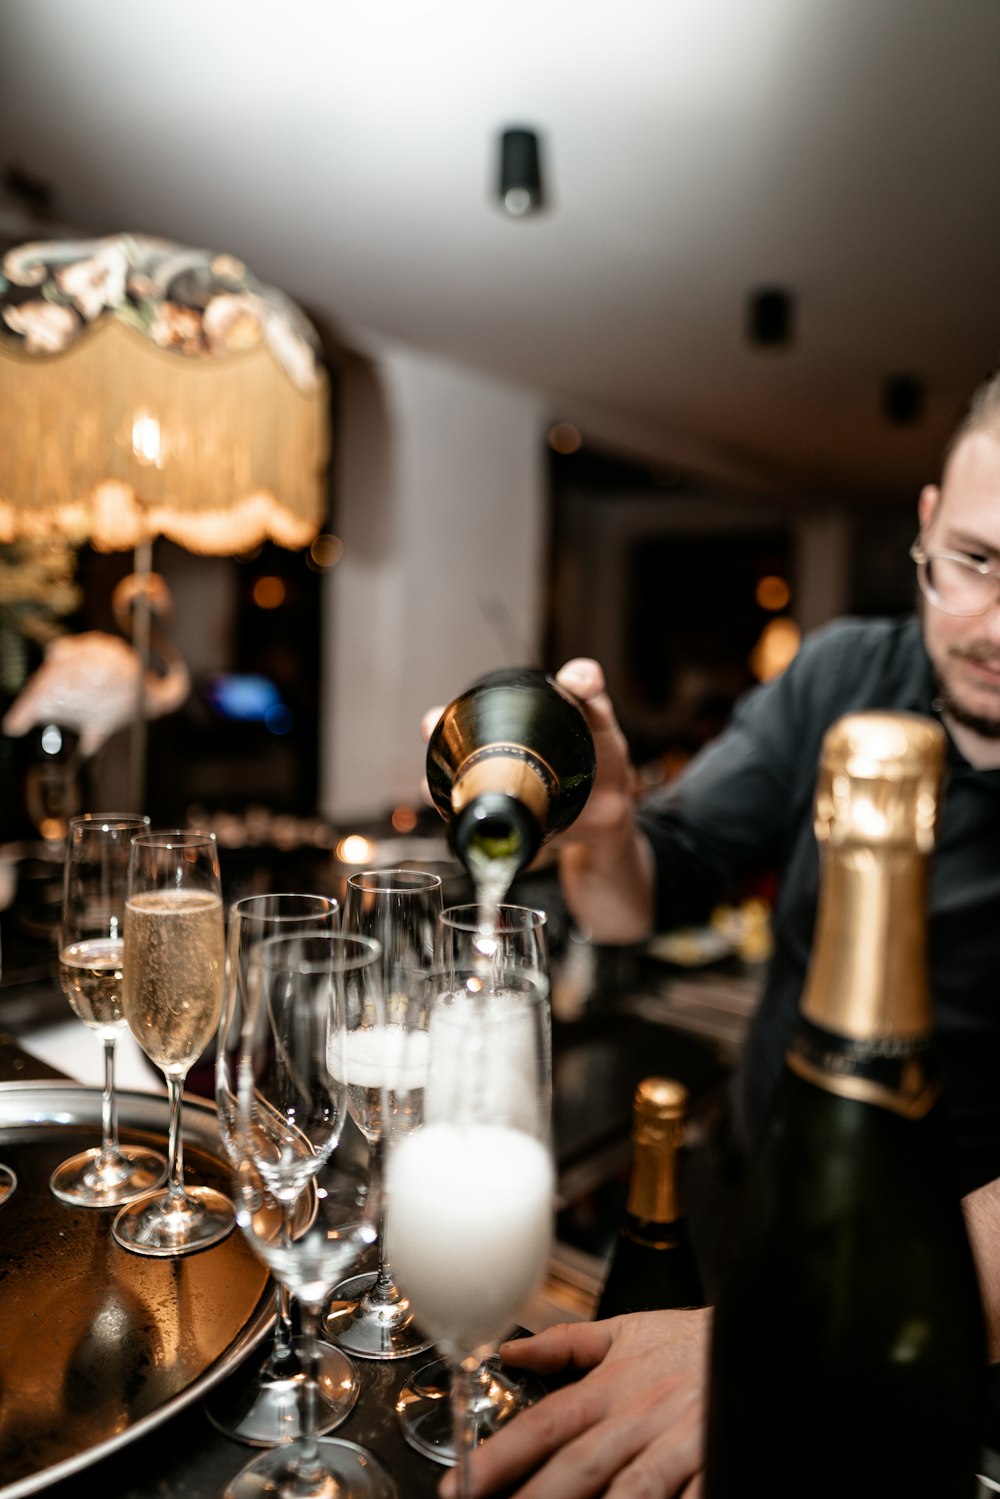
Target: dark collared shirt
[(744, 806)]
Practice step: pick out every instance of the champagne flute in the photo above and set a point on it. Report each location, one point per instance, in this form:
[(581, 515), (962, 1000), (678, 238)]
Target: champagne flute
[(487, 938), (470, 1194), (8, 1177), (291, 1104), (91, 946), (265, 1411), (172, 998), (399, 908)]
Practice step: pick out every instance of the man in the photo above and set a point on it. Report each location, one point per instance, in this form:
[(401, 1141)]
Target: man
[(633, 1424)]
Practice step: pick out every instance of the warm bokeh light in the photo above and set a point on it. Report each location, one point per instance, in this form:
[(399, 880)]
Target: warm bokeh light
[(772, 593), (146, 442), (404, 819), (355, 849), (564, 438), (326, 551), (269, 592), (778, 642)]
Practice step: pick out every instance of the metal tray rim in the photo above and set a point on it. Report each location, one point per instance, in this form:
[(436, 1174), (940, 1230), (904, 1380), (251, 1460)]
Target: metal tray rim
[(26, 1101)]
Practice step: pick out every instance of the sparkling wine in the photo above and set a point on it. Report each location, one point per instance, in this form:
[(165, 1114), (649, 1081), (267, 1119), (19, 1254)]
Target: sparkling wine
[(470, 1220), (91, 976), (385, 1062), (174, 960)]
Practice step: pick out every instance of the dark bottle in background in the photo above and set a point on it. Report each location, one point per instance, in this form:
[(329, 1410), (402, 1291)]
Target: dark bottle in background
[(652, 1263), (848, 1350), (510, 763)]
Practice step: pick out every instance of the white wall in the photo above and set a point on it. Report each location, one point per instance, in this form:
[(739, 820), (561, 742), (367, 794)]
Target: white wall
[(440, 500)]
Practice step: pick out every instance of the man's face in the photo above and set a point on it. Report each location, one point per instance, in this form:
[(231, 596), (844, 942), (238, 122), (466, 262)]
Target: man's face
[(964, 516)]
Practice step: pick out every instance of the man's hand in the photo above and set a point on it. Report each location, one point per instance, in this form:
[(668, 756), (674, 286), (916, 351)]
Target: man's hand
[(634, 1424), (612, 795)]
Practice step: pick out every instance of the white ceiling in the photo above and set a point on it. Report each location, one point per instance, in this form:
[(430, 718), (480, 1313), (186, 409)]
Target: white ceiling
[(694, 150)]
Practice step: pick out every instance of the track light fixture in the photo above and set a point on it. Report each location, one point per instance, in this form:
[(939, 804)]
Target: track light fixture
[(903, 399), (770, 317), (520, 184)]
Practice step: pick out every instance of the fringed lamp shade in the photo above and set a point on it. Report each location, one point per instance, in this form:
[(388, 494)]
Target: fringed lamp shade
[(147, 389)]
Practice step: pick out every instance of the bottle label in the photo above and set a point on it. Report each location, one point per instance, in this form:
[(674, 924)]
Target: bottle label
[(510, 769), (890, 1072), (510, 751)]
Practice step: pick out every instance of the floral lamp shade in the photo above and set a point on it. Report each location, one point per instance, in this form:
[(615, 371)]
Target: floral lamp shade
[(148, 389)]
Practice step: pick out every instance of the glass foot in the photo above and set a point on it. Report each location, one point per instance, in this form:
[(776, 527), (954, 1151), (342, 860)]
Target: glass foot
[(265, 1410), (149, 1226), (424, 1406), (369, 1328), (88, 1180), (344, 1469)]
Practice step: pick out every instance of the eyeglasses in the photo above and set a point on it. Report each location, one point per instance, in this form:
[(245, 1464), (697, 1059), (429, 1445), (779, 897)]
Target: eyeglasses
[(956, 583)]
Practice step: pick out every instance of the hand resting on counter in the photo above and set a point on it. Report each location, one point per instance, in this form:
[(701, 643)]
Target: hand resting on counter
[(632, 1424)]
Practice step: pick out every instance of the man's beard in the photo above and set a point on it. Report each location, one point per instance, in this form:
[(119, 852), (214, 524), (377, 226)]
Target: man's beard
[(945, 703), (986, 728)]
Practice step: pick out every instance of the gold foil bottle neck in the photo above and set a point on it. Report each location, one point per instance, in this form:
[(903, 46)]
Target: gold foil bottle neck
[(658, 1112), (876, 804), (879, 781)]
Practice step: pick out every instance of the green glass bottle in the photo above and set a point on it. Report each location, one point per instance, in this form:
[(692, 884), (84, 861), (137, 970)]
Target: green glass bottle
[(653, 1263), (510, 763), (848, 1349)]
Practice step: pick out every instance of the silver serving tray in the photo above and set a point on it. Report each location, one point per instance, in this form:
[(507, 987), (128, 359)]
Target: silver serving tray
[(98, 1346)]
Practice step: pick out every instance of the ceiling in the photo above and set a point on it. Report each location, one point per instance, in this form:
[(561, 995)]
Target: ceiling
[(694, 151)]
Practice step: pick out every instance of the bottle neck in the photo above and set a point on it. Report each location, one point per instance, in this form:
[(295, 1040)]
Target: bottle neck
[(653, 1194), (866, 1010)]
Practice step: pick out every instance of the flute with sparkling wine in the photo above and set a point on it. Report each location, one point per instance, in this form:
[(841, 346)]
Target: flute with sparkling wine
[(486, 939), (470, 1195), (172, 997), (91, 973)]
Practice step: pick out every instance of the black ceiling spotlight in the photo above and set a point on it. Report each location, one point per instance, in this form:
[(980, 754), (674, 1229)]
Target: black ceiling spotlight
[(520, 172), (903, 398), (771, 317)]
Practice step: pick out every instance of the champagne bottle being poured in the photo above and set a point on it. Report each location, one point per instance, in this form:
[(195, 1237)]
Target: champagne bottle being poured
[(510, 763)]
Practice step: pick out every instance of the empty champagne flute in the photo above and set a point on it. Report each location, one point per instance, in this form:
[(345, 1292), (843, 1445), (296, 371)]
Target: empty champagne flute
[(91, 949), (265, 1410), (399, 908), (291, 1105), (471, 1193), (486, 938), (8, 1179), (172, 998)]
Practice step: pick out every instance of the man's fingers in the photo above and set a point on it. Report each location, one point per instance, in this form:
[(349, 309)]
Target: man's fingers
[(578, 1345), (581, 676), (582, 1442)]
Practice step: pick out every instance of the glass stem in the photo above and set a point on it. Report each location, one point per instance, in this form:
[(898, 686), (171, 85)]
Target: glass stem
[(384, 1291), (281, 1347), (109, 1111), (463, 1393), (176, 1197), (308, 1468)]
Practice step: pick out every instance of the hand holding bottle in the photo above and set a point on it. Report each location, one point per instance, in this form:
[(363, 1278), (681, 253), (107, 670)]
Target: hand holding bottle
[(605, 863), (606, 866), (637, 1412)]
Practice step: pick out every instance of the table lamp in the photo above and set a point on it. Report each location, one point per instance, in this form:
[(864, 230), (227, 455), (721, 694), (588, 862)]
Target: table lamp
[(149, 389)]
